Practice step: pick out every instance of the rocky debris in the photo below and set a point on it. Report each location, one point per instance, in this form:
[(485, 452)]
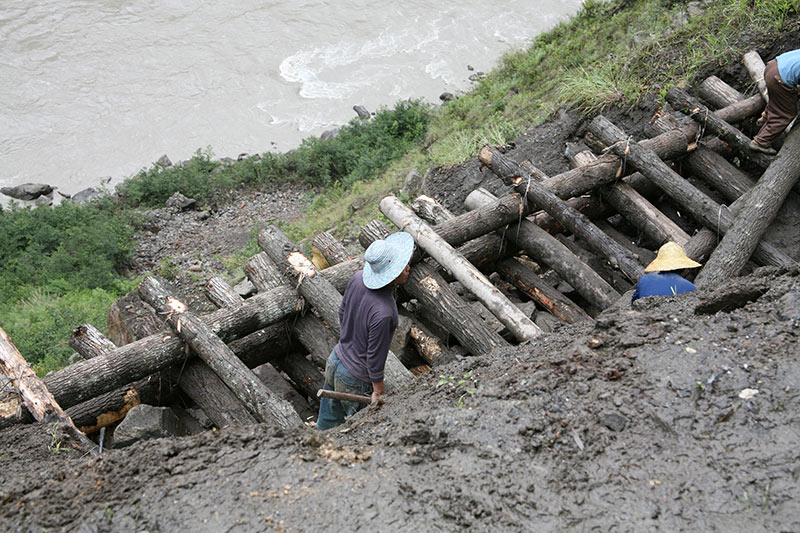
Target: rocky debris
[(446, 96), (362, 112), (164, 161), (147, 422), (27, 191), (169, 240)]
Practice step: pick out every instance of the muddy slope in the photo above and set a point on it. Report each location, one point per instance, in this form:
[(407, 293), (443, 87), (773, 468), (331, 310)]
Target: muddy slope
[(636, 422)]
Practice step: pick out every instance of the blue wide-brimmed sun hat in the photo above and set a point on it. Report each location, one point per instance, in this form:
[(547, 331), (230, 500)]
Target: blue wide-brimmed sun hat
[(385, 260)]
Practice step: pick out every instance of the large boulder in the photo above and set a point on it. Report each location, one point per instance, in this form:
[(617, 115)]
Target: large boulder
[(148, 422), (85, 196), (27, 191)]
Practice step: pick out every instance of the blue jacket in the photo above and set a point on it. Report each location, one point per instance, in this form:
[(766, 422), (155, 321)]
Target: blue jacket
[(661, 284)]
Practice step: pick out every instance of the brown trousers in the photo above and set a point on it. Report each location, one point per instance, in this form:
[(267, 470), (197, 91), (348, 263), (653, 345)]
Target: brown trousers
[(782, 106)]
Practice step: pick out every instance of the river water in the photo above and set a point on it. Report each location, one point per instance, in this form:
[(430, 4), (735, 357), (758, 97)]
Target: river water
[(92, 89)]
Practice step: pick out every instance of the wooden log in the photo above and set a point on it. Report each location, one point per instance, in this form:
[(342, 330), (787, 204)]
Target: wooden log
[(591, 206), (263, 273), (717, 93), (432, 349), (320, 293), (520, 325), (330, 248), (701, 245), (84, 380), (612, 276), (299, 270), (260, 401), (698, 204), (429, 210), (220, 293), (524, 279), (719, 173), (754, 216), (111, 407), (755, 67), (312, 334), (36, 398), (544, 248), (576, 222), (680, 100), (89, 342), (641, 213), (433, 292), (108, 406), (529, 283), (309, 330), (206, 389)]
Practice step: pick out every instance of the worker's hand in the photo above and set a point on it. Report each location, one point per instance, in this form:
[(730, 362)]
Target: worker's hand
[(377, 399), (378, 390)]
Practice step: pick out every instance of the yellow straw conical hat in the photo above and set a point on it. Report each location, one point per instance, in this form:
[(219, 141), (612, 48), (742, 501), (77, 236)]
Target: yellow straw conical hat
[(671, 257)]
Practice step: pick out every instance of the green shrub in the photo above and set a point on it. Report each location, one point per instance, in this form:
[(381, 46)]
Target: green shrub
[(360, 152), (58, 269), (61, 248), (41, 324)]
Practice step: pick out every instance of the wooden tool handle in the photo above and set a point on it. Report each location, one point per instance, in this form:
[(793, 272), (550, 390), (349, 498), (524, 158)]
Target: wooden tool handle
[(322, 393)]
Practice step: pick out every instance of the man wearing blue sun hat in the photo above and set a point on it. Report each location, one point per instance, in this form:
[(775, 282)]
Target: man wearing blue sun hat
[(368, 317)]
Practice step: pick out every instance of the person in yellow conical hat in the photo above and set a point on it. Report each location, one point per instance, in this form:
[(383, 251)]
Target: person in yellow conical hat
[(662, 278)]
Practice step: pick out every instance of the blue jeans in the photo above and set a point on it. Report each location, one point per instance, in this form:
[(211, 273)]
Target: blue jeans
[(338, 378)]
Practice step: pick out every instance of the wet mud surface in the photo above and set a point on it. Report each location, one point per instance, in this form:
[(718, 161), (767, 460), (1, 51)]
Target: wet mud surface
[(645, 419)]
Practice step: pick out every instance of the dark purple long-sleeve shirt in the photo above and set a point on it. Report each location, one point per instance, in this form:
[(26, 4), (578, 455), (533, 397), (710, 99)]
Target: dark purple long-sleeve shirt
[(368, 319)]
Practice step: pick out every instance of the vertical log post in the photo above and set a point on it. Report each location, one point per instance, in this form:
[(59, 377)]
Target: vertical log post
[(755, 67)]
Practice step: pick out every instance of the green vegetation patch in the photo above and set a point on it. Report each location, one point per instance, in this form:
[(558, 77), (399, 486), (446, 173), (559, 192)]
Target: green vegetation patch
[(360, 152), (59, 268)]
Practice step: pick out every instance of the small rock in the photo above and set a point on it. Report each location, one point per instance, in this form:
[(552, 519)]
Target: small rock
[(789, 307), (245, 289), (164, 161), (362, 112), (613, 421), (412, 187), (147, 422), (180, 202), (446, 96)]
